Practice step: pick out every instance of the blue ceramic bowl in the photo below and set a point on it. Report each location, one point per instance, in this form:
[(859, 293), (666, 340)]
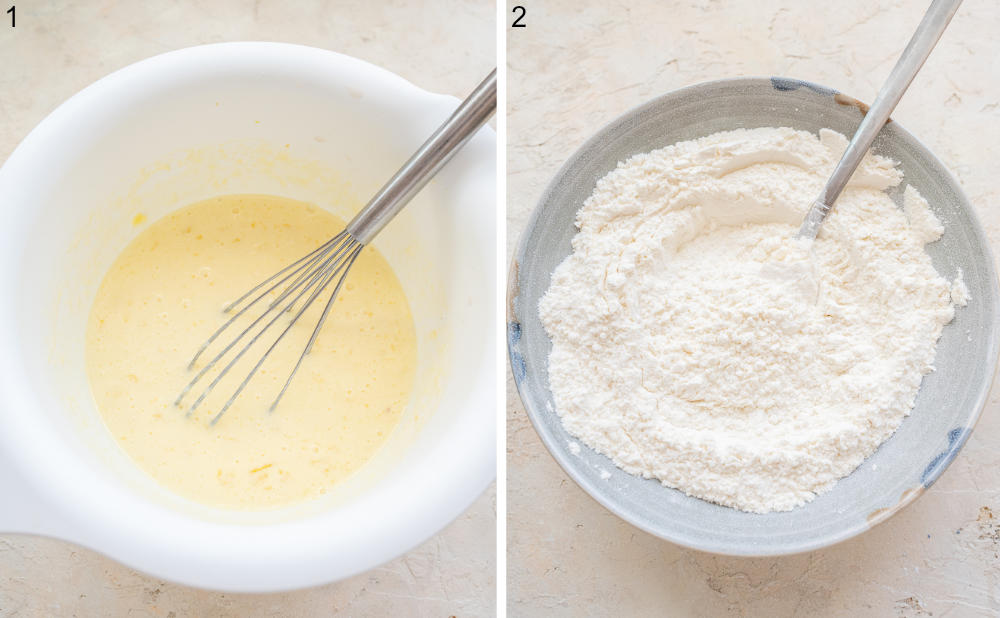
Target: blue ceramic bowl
[(947, 406)]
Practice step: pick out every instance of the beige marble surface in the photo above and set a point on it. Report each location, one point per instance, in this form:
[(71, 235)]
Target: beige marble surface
[(577, 66), (58, 48)]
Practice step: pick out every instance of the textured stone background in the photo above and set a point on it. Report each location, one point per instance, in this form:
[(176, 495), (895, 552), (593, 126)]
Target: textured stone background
[(578, 65), (57, 48)]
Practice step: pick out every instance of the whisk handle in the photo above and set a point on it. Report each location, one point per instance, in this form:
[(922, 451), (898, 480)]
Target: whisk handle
[(473, 113)]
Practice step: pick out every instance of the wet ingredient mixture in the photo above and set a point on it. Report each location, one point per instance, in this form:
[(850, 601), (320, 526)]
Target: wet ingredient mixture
[(696, 341), (164, 296)]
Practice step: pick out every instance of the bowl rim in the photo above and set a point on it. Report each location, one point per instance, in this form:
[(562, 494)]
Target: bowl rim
[(285, 561), (570, 466)]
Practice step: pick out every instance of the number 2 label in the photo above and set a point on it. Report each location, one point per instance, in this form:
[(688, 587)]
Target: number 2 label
[(520, 12)]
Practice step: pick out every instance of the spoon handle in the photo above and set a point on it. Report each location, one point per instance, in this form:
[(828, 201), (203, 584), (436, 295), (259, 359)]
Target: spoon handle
[(928, 32)]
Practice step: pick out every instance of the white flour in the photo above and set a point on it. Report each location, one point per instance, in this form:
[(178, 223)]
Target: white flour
[(695, 341)]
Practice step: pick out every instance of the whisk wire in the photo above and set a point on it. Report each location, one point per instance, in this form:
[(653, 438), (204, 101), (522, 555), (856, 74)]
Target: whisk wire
[(319, 275), (330, 263), (340, 270), (315, 252), (318, 253), (315, 333), (291, 289)]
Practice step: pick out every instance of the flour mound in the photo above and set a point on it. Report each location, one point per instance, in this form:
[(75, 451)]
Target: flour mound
[(696, 341)]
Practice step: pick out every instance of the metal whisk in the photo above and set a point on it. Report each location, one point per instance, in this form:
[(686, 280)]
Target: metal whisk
[(309, 276)]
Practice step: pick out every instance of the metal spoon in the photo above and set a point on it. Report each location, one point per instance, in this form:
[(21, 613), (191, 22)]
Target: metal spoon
[(928, 32)]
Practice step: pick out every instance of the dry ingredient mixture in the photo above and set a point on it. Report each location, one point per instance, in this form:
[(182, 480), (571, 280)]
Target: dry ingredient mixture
[(696, 341)]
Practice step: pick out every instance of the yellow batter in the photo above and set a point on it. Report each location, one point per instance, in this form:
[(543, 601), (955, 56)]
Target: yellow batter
[(164, 296)]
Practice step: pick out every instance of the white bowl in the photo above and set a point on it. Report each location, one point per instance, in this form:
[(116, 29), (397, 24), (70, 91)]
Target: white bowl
[(240, 118)]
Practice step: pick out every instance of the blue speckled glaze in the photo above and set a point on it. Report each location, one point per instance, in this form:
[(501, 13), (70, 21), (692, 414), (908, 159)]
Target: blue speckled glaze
[(787, 84), (947, 405), (956, 439), (516, 359)]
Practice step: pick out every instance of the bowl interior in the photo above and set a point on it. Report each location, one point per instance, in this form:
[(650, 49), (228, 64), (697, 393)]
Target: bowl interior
[(949, 400), (254, 118)]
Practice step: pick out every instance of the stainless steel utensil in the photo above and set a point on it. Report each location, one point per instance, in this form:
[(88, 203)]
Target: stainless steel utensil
[(931, 27), (309, 276)]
